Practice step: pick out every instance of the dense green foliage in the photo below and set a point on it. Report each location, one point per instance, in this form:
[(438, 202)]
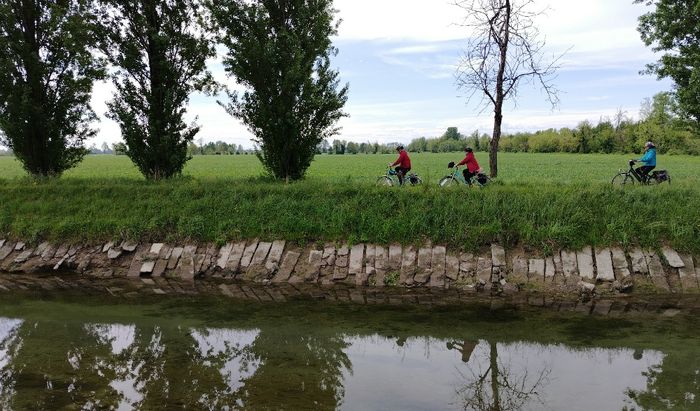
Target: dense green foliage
[(280, 51), (546, 200), (159, 50), (48, 70), (659, 123), (673, 28)]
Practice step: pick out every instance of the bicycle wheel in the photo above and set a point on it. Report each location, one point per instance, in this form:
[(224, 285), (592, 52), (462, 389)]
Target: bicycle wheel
[(622, 180), (385, 181), (414, 180), (448, 181)]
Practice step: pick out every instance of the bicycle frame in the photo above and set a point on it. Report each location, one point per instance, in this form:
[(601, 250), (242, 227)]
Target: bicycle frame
[(636, 175), (392, 175), (459, 176)]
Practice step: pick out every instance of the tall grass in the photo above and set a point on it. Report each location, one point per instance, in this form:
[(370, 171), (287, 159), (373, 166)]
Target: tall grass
[(540, 215)]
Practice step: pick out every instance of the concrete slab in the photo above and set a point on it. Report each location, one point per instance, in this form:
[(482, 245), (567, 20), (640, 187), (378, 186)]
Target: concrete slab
[(656, 271), (129, 246), (356, 256), (687, 273), (107, 246), (519, 270), (41, 248), (287, 267), (275, 255), (408, 266), (672, 257), (425, 256), (224, 254), (549, 269), (536, 269), (175, 258), (186, 264), (639, 262), (248, 254), (313, 268), (260, 253), (381, 264), (370, 255), (147, 267), (584, 259), (498, 255), (484, 267), (569, 263), (603, 259), (23, 256), (234, 260), (340, 272), (438, 267), (452, 267), (159, 268), (395, 257), (156, 248), (114, 253)]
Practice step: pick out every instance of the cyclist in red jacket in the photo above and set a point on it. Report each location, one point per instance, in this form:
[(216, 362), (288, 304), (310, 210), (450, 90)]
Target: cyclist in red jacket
[(403, 163), (472, 168)]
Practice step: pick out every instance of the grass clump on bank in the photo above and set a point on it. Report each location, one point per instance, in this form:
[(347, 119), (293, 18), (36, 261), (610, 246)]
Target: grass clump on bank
[(543, 216)]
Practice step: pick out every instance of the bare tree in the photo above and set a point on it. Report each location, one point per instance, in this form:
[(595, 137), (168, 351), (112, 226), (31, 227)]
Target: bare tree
[(503, 49), (498, 388)]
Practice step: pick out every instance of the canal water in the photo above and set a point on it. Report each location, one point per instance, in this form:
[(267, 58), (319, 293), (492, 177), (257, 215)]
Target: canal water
[(81, 353)]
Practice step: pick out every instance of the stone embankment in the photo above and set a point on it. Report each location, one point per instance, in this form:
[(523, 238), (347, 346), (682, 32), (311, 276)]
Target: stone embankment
[(363, 272)]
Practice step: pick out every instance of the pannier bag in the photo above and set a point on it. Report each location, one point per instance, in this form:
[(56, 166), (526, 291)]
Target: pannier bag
[(661, 175), (481, 178)]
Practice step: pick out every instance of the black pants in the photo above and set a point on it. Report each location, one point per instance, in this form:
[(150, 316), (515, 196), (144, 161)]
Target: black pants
[(468, 175), (643, 171), (401, 172)]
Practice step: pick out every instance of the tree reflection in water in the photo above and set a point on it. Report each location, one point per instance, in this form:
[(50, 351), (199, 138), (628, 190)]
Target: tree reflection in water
[(52, 365), (672, 385), (498, 387), (60, 362), (9, 344)]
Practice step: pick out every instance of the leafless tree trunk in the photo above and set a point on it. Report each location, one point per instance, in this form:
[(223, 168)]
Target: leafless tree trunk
[(503, 49)]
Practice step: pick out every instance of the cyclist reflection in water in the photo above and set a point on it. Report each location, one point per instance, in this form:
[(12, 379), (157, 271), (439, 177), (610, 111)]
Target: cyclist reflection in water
[(466, 348)]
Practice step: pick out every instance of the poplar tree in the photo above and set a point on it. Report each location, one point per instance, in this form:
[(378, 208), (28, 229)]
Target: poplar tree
[(47, 71), (159, 49), (280, 51)]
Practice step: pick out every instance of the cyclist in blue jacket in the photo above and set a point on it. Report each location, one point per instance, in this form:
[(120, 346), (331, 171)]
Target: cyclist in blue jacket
[(649, 160)]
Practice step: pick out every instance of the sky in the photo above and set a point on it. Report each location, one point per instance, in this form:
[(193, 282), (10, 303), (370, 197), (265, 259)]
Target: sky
[(400, 58)]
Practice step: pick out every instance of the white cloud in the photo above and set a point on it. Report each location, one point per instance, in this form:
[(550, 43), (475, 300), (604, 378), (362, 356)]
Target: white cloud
[(420, 40)]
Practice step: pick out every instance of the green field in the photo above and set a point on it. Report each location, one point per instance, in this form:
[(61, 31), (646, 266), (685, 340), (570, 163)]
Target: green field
[(515, 168), (543, 201)]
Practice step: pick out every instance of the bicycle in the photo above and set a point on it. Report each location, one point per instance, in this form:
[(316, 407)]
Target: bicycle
[(631, 176), (457, 178), (391, 179)]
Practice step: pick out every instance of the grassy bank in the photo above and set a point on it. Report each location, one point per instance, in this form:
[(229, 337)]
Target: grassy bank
[(542, 215)]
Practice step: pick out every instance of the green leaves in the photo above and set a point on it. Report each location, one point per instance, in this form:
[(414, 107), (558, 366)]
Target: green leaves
[(159, 48), (280, 52), (48, 71), (673, 28)]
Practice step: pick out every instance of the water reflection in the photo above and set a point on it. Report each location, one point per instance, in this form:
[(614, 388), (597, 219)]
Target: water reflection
[(297, 365)]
